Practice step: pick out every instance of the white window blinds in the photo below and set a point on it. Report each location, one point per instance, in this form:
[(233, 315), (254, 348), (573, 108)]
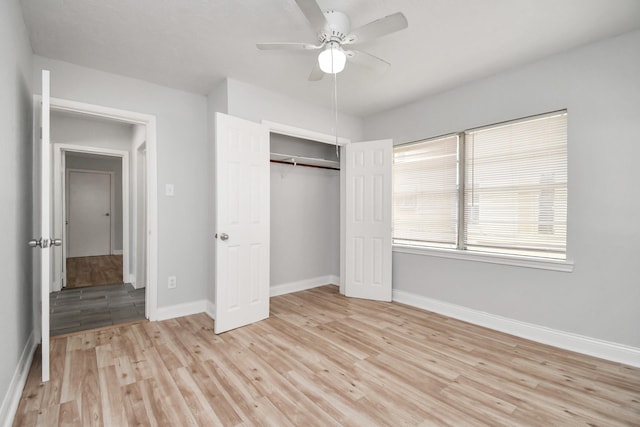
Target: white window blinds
[(515, 187), (425, 194)]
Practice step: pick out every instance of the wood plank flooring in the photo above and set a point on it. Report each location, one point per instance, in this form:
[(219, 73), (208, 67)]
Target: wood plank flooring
[(80, 309), (94, 271), (321, 360)]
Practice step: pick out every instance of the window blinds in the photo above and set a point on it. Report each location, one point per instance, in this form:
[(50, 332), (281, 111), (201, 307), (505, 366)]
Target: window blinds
[(515, 192), (425, 195)]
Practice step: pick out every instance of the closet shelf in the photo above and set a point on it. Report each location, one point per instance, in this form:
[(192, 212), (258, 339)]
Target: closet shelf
[(305, 161)]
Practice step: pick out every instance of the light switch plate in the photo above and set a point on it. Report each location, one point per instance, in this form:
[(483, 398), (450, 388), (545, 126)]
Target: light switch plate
[(168, 190)]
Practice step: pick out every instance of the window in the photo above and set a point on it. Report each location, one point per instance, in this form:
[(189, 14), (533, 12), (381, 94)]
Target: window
[(497, 189), (425, 194)]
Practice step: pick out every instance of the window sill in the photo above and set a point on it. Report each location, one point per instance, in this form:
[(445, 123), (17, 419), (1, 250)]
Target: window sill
[(514, 260)]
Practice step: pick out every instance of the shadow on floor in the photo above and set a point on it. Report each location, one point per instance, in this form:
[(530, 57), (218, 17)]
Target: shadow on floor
[(80, 309)]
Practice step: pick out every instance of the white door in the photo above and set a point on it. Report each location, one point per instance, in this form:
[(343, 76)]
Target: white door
[(242, 222), (368, 220), (89, 214), (42, 226)]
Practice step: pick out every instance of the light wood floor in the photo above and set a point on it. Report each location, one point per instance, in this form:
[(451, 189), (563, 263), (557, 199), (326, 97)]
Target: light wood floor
[(320, 360), (94, 271)]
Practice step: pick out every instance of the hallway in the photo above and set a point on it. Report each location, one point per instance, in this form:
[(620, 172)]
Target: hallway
[(93, 307)]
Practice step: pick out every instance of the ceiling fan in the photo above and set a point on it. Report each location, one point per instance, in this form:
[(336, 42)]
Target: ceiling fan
[(335, 38)]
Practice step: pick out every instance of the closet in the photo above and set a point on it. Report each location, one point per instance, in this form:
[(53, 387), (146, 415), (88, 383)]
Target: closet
[(305, 213), (290, 214)]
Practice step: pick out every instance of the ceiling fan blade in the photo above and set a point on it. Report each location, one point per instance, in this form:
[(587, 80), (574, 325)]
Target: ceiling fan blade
[(367, 60), (316, 73), (378, 28), (287, 46), (313, 13)]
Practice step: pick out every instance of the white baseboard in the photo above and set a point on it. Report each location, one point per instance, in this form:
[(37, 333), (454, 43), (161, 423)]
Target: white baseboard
[(579, 343), (179, 310), (134, 282), (14, 392), (303, 285), (117, 252), (205, 306)]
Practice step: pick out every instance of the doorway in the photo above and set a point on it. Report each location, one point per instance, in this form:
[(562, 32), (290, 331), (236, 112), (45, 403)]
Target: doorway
[(305, 214), (241, 209), (93, 220), (97, 191)]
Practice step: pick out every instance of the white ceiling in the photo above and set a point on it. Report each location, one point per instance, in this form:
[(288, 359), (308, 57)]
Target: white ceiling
[(193, 44)]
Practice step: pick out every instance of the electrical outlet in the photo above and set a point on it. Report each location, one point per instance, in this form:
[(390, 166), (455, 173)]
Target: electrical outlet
[(172, 282)]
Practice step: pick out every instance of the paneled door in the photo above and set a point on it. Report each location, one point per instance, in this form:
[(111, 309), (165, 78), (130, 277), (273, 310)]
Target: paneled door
[(89, 213), (242, 184), (368, 220)]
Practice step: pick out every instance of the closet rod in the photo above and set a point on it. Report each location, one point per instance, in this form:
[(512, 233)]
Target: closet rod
[(304, 164)]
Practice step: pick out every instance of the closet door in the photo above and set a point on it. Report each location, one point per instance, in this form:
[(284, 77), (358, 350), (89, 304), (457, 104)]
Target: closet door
[(368, 220), (242, 225)]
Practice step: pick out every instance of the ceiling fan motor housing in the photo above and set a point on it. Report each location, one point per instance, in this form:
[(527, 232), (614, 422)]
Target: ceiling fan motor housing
[(337, 29)]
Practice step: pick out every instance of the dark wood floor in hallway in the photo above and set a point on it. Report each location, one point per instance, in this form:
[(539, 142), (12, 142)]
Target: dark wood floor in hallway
[(80, 309), (324, 360)]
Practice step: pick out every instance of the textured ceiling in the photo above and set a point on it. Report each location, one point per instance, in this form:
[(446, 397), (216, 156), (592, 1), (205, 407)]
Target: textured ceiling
[(193, 44)]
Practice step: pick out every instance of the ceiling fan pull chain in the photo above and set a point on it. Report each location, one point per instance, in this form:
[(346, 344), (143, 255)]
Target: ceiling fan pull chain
[(335, 107)]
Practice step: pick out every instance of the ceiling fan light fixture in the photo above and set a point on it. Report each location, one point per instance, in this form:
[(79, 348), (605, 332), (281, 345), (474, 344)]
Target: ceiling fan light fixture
[(333, 59)]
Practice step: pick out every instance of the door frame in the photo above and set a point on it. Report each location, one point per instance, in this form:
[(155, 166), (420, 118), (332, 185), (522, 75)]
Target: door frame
[(311, 135), (139, 209), (60, 207), (149, 123)]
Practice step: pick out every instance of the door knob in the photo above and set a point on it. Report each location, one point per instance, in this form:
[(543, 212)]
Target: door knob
[(56, 242), (43, 243), (224, 236), (107, 214), (34, 243)]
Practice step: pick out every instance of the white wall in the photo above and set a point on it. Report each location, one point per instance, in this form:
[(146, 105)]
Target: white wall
[(95, 132), (90, 131), (217, 102), (305, 223), (181, 160), (217, 99), (599, 85), (256, 104), (105, 164), (16, 110)]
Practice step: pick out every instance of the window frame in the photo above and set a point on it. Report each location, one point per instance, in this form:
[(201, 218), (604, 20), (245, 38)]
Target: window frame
[(461, 252)]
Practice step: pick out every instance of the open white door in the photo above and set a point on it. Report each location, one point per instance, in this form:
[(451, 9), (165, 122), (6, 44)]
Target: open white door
[(42, 244), (242, 183), (368, 220)]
